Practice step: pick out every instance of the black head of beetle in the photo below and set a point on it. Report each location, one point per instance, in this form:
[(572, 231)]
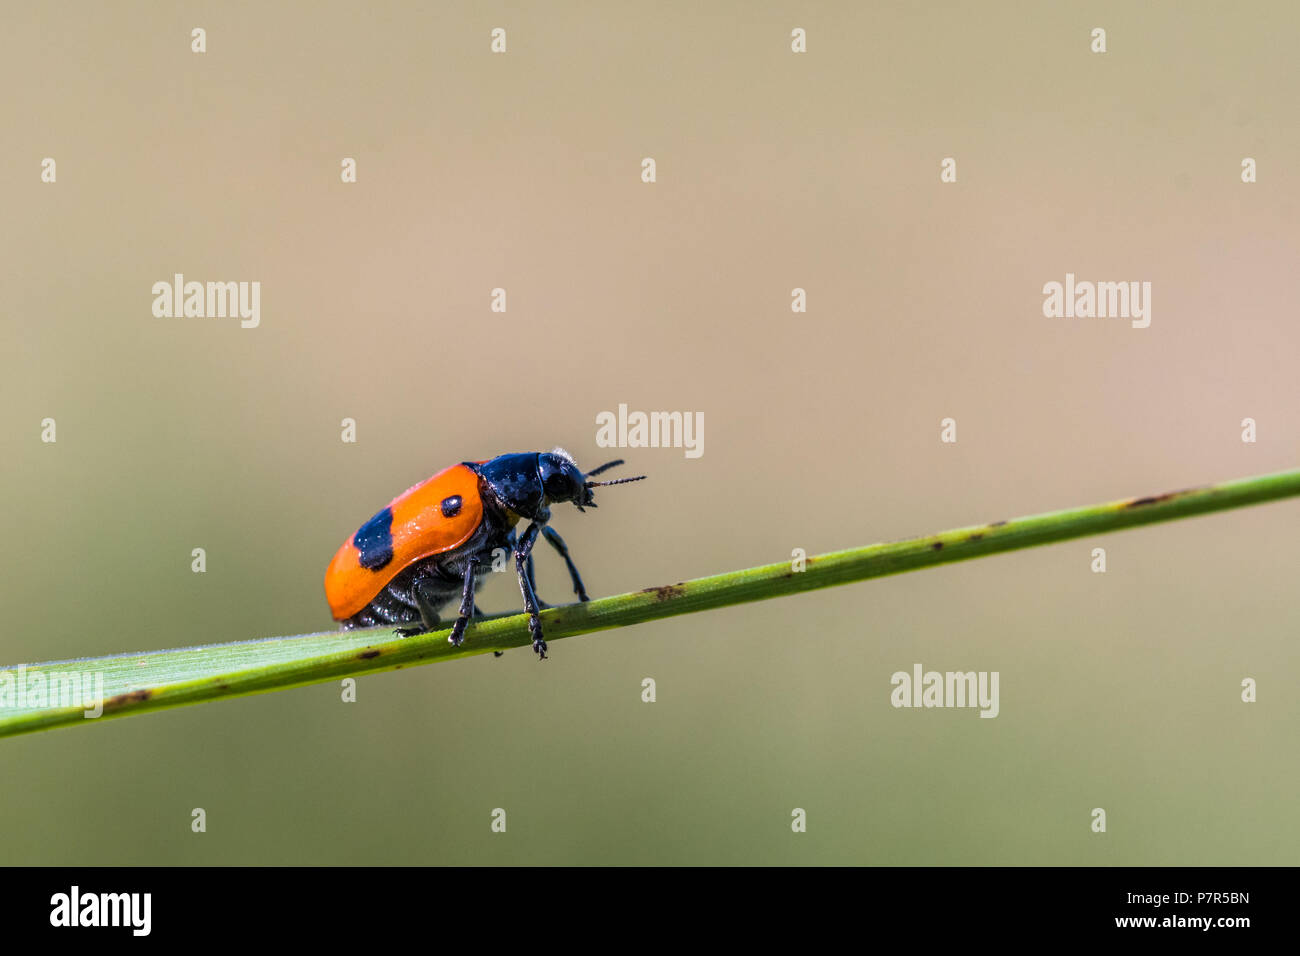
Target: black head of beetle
[(529, 483)]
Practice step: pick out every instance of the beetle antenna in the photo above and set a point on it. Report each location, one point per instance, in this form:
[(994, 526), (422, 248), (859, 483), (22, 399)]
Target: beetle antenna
[(613, 481), (605, 467)]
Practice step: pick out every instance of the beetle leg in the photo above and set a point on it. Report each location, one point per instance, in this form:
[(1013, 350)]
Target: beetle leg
[(428, 613), (513, 541), (466, 603), (523, 548), (558, 544), (532, 579)]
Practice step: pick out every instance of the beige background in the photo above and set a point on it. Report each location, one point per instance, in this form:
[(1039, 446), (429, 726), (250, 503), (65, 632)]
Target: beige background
[(775, 171)]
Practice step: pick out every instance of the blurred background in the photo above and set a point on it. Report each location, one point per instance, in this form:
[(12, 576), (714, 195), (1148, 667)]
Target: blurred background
[(774, 171)]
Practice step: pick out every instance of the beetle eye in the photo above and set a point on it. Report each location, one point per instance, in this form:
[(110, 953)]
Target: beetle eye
[(559, 486)]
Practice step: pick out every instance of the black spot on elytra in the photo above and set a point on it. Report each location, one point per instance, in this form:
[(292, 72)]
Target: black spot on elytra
[(375, 541), (366, 655), (451, 506)]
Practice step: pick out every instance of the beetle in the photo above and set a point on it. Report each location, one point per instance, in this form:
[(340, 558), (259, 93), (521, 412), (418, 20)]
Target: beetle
[(435, 540)]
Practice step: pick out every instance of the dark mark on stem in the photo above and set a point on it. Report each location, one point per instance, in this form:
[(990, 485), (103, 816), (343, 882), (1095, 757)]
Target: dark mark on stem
[(1156, 499), (666, 591), (121, 699), (366, 655)]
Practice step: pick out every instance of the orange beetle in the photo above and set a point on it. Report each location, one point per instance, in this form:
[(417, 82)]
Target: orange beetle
[(434, 541)]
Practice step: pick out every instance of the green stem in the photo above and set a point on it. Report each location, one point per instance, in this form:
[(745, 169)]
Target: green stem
[(153, 680)]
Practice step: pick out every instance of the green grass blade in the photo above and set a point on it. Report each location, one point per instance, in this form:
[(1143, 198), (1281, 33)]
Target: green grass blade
[(154, 680)]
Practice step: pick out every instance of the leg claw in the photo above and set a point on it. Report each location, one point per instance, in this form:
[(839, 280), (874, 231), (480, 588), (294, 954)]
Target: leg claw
[(457, 635)]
